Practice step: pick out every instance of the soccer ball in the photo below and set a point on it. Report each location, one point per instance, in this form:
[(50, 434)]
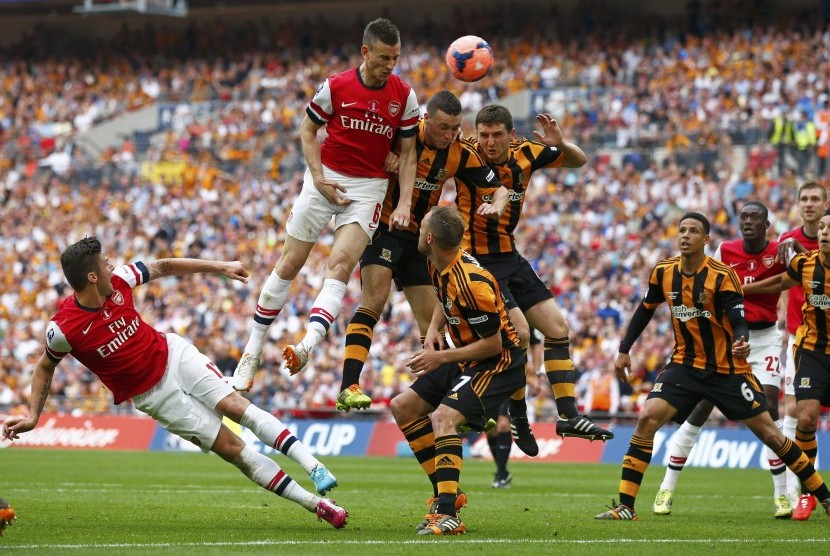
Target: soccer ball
[(470, 58)]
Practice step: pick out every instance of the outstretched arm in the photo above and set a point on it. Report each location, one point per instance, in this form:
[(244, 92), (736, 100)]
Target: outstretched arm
[(773, 284), (183, 267), (41, 383)]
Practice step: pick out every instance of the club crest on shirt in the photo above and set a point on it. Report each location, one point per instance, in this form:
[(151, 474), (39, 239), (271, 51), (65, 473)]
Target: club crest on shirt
[(118, 298), (394, 107), (768, 261), (703, 298)]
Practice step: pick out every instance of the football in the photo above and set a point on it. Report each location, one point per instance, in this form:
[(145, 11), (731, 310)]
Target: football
[(470, 58)]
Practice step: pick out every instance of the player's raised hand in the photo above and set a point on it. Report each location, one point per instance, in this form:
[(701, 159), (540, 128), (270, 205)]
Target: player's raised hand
[(332, 190), (551, 133), (622, 366)]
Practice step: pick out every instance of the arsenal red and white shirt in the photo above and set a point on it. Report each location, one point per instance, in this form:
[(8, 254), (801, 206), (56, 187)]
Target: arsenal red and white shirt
[(751, 267), (112, 341), (362, 122)]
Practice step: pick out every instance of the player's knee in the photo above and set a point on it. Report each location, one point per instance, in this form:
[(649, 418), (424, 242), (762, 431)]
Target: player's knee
[(288, 266), (227, 445), (339, 268), (401, 410), (807, 421), (503, 424)]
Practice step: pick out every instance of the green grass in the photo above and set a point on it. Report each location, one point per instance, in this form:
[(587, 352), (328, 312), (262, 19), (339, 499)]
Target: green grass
[(86, 502)]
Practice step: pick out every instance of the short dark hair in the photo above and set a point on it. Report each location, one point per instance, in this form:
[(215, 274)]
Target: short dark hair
[(700, 218), (78, 260), (444, 101), (447, 226), (760, 205), (495, 114), (383, 30), (812, 185)]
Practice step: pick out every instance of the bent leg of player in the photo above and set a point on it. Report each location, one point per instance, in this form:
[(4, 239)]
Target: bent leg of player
[(271, 300), (544, 315), (184, 402), (680, 447), (354, 226), (272, 432), (309, 215), (265, 472), (662, 404)]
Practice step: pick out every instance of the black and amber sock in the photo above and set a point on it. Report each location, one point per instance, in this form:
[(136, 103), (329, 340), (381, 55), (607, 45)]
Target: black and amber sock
[(518, 403), (448, 461), (560, 371), (799, 463), (634, 466), (422, 441), (359, 335), (806, 442)]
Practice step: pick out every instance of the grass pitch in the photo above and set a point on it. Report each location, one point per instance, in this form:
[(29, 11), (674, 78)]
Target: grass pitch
[(88, 502)]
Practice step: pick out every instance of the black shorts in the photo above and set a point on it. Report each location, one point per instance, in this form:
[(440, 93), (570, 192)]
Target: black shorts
[(812, 376), (519, 283), (476, 393), (398, 250), (737, 396)]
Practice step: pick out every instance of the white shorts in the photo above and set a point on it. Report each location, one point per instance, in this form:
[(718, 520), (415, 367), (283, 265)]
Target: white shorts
[(765, 355), (312, 212), (789, 369), (185, 398)]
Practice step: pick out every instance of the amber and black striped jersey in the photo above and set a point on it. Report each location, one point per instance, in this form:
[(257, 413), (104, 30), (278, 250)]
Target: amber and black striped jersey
[(474, 308), (435, 167), (814, 277), (490, 236), (699, 304)]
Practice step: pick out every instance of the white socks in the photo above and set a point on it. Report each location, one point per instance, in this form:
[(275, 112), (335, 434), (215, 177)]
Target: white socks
[(271, 300), (266, 473), (274, 433), (325, 310), (682, 443), (777, 468)]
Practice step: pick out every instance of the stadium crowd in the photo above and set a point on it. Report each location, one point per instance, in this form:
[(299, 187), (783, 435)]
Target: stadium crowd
[(219, 183)]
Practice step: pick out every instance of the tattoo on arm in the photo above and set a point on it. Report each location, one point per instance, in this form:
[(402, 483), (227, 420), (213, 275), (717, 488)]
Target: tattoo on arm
[(160, 268), (44, 393)]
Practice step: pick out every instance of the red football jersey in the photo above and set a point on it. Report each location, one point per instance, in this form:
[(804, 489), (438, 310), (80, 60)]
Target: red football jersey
[(751, 267), (795, 295), (362, 122), (113, 341)]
